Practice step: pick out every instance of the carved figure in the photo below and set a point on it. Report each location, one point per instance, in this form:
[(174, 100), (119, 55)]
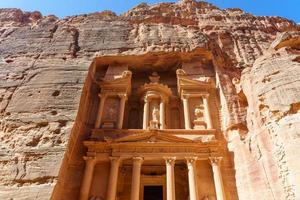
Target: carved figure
[(198, 113), (155, 114), (199, 122), (237, 84), (111, 113), (154, 123)]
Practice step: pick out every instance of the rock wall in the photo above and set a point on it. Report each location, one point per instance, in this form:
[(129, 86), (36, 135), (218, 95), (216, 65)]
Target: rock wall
[(44, 62), (268, 152)]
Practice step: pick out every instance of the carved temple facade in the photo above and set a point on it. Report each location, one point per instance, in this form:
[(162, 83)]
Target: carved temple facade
[(156, 135)]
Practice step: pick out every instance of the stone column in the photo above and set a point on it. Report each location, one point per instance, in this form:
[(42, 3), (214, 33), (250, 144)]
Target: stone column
[(207, 112), (136, 178), (162, 119), (113, 178), (170, 162), (215, 163), (191, 162), (186, 110), (100, 110), (123, 98), (90, 163), (146, 114)]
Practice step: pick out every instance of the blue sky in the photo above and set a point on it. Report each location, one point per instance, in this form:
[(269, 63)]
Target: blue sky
[(61, 8)]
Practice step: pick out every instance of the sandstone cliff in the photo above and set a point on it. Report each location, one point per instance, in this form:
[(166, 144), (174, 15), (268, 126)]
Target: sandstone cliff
[(44, 62)]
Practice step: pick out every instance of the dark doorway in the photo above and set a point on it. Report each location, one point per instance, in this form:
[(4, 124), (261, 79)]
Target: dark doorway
[(153, 192)]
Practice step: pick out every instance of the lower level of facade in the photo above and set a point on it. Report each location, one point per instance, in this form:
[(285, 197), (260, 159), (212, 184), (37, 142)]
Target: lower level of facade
[(153, 166)]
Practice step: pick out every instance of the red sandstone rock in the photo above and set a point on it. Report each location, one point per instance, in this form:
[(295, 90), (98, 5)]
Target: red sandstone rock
[(44, 62)]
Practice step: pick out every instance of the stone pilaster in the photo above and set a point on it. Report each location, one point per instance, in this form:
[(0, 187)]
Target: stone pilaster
[(113, 178), (191, 165), (186, 110), (207, 112), (136, 178), (100, 110), (215, 163), (162, 109), (170, 164), (90, 163), (146, 114), (123, 98)]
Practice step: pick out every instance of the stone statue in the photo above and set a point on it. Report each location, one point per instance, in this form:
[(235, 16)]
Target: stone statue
[(154, 123), (155, 114), (198, 113), (199, 121)]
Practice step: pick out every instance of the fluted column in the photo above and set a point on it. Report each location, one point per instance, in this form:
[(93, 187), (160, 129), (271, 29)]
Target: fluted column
[(100, 110), (207, 112), (123, 98), (162, 119), (146, 114), (186, 110), (215, 163), (87, 178), (136, 178), (170, 163), (113, 178), (191, 162)]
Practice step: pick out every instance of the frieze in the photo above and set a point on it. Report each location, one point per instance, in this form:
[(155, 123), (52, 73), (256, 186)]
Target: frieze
[(163, 150)]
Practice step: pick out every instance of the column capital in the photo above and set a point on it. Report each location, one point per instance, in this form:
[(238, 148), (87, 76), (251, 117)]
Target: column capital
[(191, 160), (215, 161), (123, 96), (164, 99), (205, 95), (102, 95), (185, 96), (170, 160), (138, 159), (89, 159), (146, 99), (114, 159)]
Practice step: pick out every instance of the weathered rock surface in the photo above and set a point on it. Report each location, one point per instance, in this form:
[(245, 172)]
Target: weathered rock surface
[(269, 152), (44, 62)]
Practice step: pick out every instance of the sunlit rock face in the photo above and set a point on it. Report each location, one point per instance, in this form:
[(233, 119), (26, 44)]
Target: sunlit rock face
[(44, 65)]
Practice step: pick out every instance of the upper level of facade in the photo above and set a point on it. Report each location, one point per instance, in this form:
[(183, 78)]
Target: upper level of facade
[(175, 96)]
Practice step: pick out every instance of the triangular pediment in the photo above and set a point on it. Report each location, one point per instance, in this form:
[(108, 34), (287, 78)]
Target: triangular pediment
[(190, 82), (122, 79), (153, 138)]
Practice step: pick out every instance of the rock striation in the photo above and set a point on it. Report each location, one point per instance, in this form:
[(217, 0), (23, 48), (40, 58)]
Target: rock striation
[(44, 62)]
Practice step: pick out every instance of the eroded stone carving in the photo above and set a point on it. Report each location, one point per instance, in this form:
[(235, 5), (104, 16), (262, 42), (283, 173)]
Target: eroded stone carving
[(236, 82), (110, 113), (154, 123), (199, 121)]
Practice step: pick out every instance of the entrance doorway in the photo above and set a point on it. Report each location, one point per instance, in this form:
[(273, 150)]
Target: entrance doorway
[(153, 192)]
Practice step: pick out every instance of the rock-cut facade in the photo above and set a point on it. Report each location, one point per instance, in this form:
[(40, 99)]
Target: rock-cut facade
[(168, 101)]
